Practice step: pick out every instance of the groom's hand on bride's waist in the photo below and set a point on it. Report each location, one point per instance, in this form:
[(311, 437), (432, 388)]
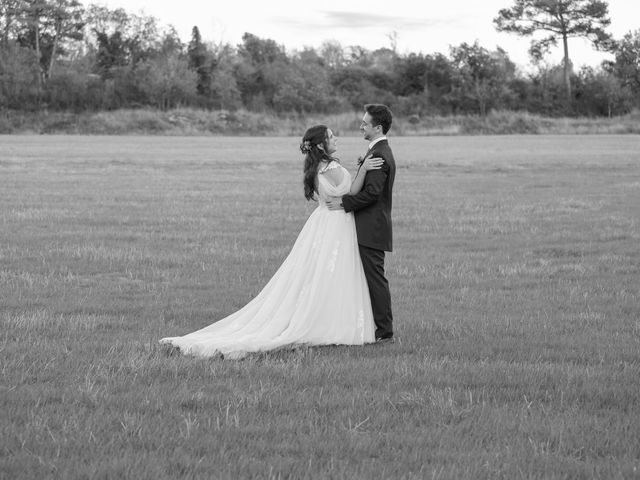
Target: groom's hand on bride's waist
[(334, 203)]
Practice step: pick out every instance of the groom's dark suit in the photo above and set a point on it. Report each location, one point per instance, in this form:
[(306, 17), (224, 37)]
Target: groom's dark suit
[(372, 210)]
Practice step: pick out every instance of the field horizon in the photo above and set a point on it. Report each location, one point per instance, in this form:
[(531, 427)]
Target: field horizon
[(515, 285), (195, 122)]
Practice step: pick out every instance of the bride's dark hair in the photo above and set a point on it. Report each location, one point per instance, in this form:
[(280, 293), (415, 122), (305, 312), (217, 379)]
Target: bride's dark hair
[(314, 147)]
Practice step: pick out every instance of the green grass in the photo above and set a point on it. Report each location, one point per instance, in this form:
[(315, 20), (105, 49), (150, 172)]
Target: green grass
[(515, 284)]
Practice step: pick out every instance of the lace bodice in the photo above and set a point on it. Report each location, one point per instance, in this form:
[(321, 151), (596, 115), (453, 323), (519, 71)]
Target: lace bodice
[(326, 189)]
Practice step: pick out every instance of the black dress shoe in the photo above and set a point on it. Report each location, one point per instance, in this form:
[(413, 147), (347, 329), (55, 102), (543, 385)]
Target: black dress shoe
[(381, 341)]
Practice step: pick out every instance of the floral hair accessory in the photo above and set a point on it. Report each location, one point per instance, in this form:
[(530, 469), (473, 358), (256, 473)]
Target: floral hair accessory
[(305, 147)]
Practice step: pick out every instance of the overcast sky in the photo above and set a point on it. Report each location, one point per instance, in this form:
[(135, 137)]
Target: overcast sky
[(426, 29)]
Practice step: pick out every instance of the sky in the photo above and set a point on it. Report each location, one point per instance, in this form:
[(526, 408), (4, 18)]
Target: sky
[(418, 26)]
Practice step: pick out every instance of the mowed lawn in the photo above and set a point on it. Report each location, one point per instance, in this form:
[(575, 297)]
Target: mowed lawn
[(515, 283)]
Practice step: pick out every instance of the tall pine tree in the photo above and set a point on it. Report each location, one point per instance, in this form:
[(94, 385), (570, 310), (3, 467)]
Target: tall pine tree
[(197, 53), (560, 19)]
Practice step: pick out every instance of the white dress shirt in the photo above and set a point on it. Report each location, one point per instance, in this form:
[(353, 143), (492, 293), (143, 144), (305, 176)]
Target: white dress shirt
[(384, 137)]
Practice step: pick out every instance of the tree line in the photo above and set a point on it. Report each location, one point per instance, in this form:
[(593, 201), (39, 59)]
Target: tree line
[(60, 55)]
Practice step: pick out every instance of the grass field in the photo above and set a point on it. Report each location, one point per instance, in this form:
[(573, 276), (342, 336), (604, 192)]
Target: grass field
[(516, 290)]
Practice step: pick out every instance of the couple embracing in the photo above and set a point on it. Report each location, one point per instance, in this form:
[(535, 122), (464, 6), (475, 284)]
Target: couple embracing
[(331, 289)]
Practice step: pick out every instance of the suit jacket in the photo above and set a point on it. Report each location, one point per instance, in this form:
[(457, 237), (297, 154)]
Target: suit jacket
[(372, 204)]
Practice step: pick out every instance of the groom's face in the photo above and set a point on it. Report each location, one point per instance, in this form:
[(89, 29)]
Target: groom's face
[(368, 130)]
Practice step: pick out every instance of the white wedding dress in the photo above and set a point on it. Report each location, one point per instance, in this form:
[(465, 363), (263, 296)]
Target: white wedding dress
[(318, 296)]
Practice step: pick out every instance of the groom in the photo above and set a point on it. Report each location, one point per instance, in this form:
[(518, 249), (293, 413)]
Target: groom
[(372, 210)]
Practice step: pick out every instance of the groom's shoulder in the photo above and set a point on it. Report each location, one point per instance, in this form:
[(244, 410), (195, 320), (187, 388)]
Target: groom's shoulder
[(382, 145), (385, 148)]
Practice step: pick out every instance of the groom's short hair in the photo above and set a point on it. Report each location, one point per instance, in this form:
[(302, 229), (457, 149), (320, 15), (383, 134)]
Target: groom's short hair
[(380, 115)]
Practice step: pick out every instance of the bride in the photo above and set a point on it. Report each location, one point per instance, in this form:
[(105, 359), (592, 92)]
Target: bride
[(319, 295)]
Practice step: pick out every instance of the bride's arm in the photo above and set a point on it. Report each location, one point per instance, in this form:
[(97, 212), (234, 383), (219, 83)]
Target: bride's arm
[(369, 164)]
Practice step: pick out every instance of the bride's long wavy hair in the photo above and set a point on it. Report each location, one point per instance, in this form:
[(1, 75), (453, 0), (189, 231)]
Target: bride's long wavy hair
[(314, 147)]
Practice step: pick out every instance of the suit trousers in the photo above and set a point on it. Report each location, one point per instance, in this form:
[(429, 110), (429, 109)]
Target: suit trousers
[(373, 264)]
